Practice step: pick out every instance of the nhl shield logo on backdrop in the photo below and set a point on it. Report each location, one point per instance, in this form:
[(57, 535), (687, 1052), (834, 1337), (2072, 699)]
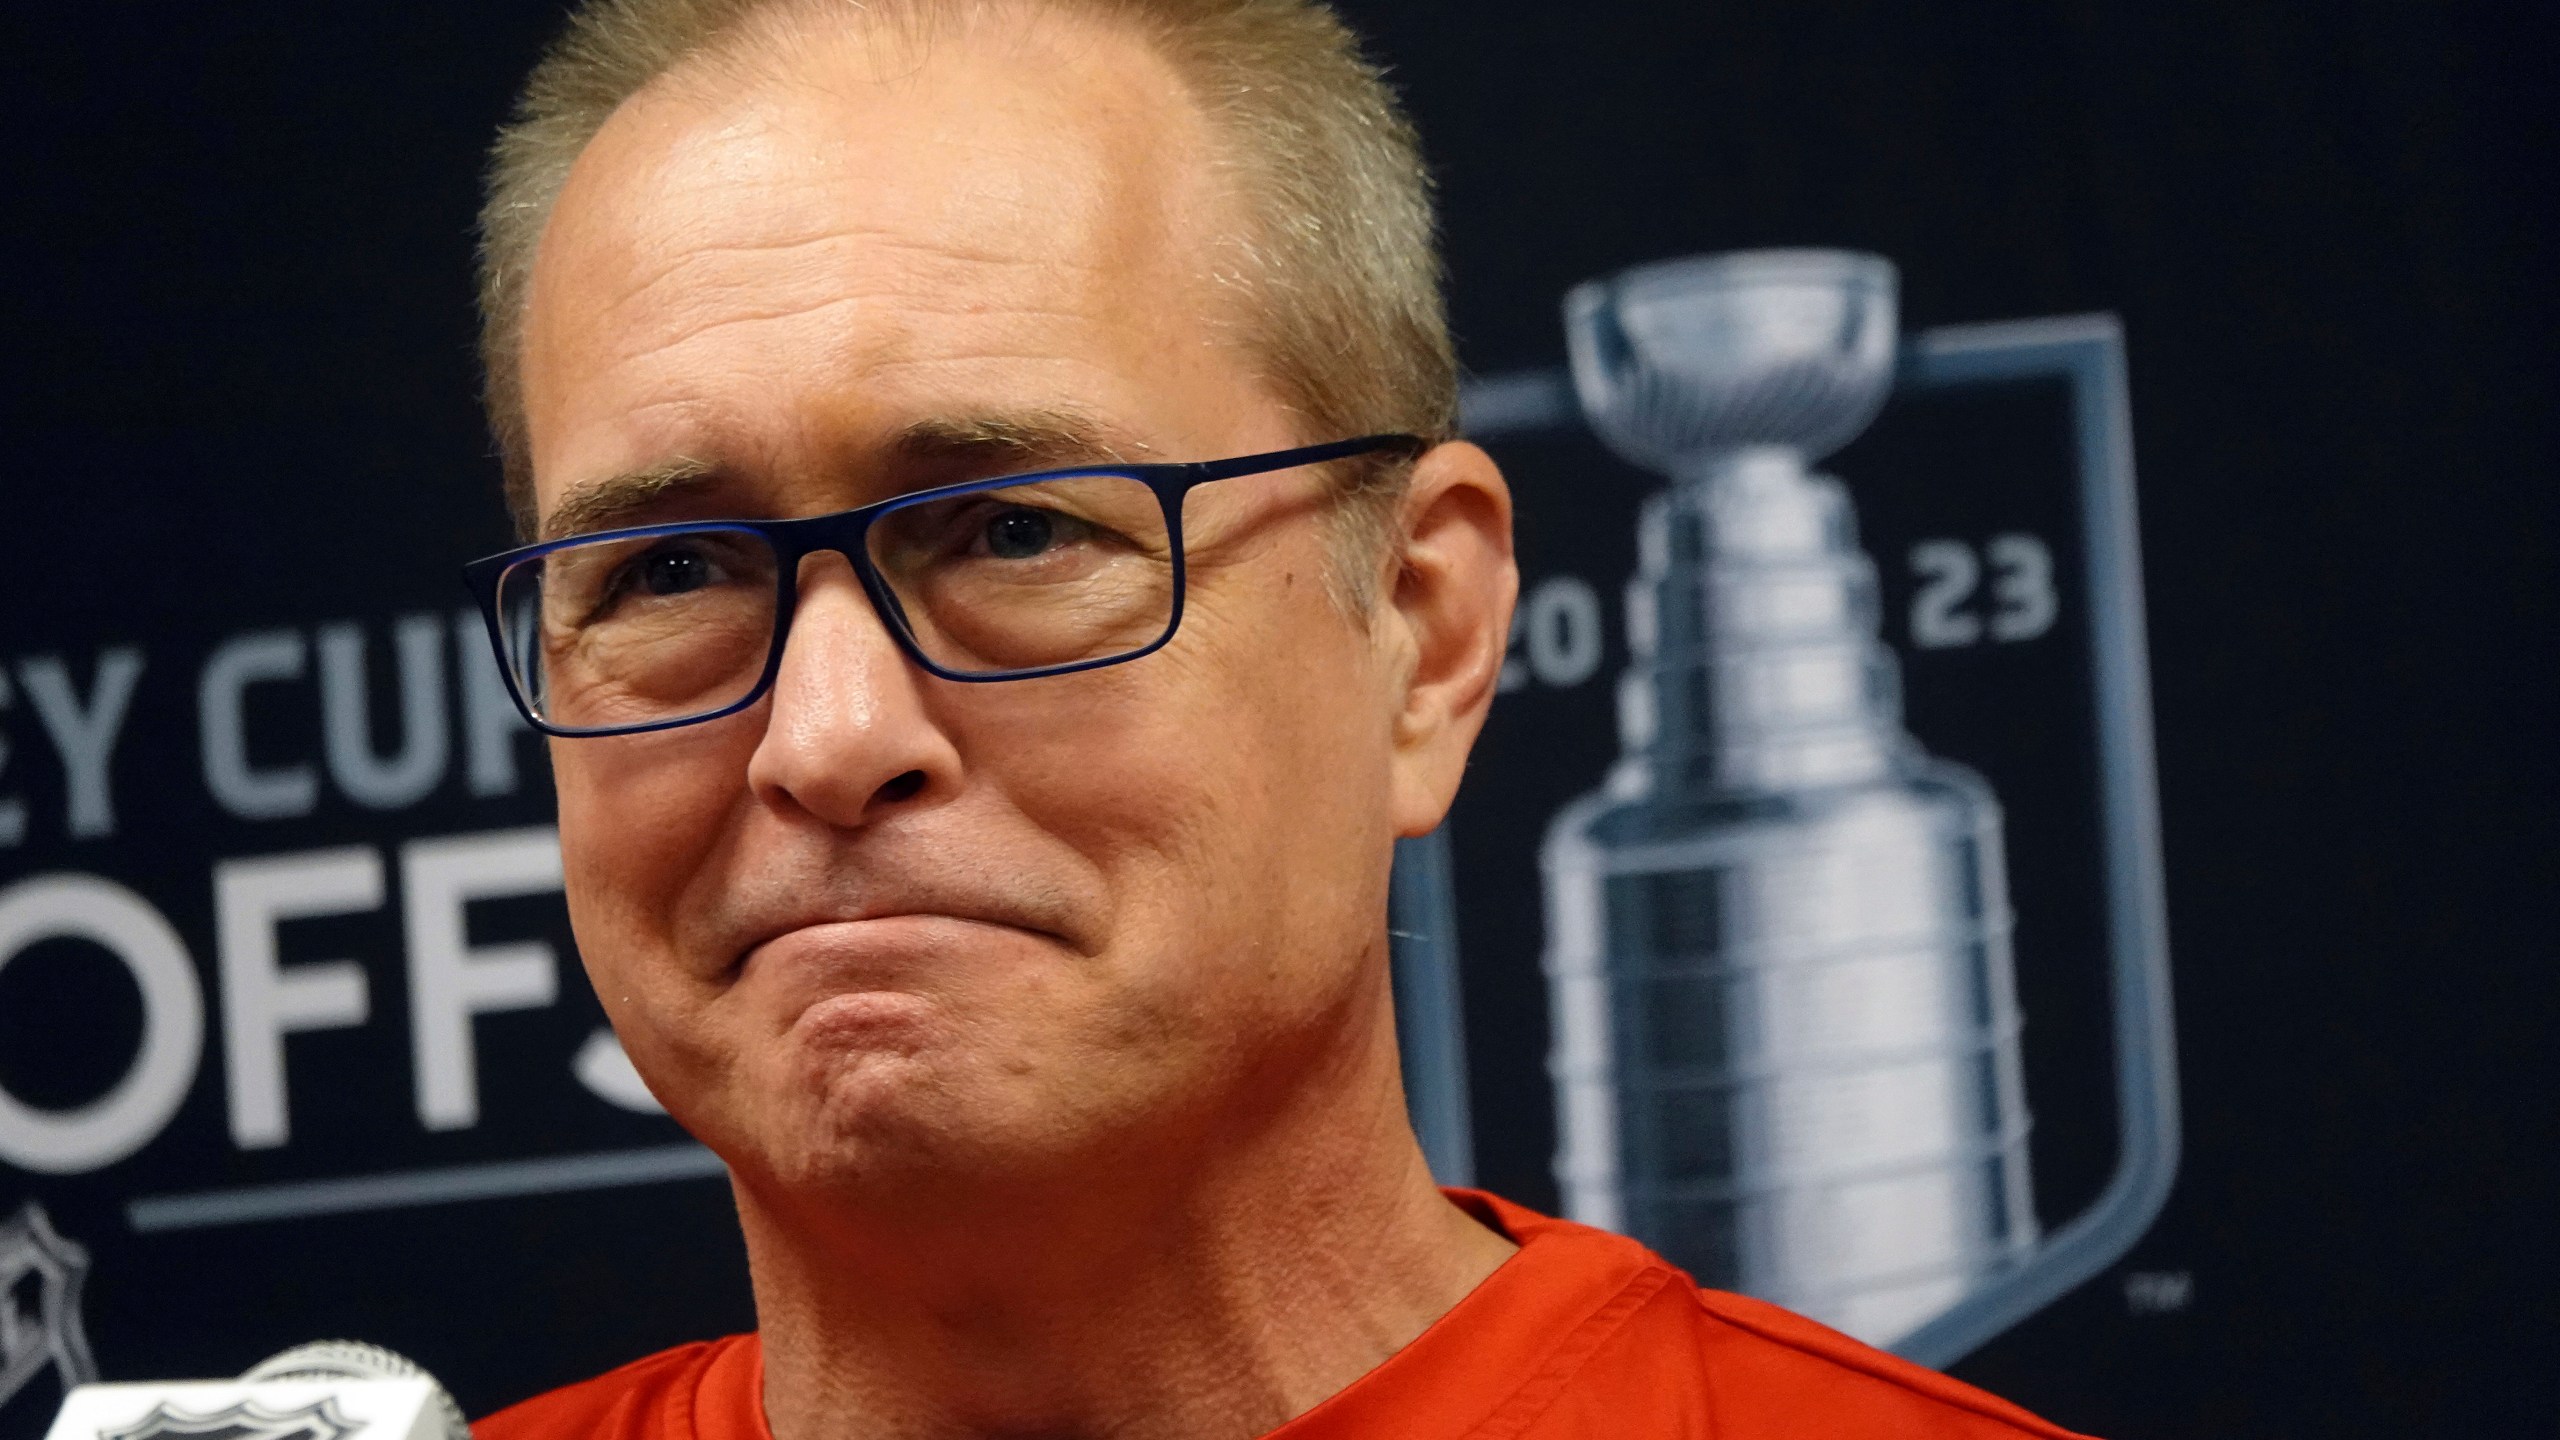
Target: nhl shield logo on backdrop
[(40, 1279), (244, 1421)]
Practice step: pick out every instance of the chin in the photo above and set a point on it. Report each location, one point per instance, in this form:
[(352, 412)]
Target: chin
[(869, 1119)]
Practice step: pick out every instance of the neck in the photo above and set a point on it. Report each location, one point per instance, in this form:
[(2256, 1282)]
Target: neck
[(1216, 1295)]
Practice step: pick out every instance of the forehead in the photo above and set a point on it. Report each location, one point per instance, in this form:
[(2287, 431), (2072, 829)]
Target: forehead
[(807, 243)]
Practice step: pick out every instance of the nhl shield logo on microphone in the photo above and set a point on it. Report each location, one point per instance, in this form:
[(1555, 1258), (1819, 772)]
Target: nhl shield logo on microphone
[(245, 1421)]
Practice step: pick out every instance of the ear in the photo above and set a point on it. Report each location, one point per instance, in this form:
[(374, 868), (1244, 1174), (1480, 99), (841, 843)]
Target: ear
[(1450, 588)]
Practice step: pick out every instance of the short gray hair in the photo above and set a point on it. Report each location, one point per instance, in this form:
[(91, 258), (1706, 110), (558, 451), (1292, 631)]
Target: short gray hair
[(1340, 273)]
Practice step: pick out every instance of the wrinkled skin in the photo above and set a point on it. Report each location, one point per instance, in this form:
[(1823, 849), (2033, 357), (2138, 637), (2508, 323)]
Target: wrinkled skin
[(1002, 1000)]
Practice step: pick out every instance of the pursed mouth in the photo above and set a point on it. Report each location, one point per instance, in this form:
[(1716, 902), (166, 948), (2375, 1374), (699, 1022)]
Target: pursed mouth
[(890, 931)]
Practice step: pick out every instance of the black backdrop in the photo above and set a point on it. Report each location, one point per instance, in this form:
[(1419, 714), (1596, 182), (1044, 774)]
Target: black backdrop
[(239, 394)]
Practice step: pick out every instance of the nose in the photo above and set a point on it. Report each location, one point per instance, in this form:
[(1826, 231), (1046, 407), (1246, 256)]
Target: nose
[(848, 738)]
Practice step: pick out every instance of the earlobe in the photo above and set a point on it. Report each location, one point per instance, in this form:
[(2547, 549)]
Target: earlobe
[(1455, 583)]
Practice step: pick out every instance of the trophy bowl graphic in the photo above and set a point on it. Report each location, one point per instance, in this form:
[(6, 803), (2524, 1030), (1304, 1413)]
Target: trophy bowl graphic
[(1785, 1036), (1691, 359)]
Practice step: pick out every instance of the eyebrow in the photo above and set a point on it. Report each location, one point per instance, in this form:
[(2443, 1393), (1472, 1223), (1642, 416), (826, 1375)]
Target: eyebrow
[(621, 499), (989, 445), (1023, 440)]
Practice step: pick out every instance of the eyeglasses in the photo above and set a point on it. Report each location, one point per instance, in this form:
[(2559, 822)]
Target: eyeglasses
[(1005, 579)]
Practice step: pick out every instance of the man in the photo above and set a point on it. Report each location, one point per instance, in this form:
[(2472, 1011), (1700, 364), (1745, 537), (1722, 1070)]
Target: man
[(995, 876)]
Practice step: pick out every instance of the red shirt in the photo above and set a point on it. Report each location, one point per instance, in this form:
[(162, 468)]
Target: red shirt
[(1580, 1334)]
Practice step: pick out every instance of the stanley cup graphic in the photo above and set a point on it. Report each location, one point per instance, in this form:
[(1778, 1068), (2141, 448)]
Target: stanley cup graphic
[(1785, 1031)]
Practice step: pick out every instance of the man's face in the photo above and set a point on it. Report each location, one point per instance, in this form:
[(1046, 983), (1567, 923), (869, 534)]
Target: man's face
[(883, 927)]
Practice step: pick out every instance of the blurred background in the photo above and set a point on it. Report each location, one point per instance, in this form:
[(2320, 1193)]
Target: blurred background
[(244, 457)]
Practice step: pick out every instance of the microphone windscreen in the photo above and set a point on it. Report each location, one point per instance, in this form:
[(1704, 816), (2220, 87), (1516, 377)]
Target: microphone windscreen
[(330, 1390), (356, 1360)]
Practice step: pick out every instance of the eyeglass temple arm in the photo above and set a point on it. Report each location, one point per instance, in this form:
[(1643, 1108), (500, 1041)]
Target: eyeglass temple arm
[(1309, 455)]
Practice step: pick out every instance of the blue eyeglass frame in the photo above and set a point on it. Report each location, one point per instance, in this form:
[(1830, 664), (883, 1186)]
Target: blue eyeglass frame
[(844, 532)]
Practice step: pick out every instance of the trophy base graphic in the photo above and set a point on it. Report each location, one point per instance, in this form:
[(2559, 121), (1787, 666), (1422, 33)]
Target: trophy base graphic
[(1789, 1062)]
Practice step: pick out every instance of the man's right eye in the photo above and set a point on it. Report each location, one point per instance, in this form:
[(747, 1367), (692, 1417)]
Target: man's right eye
[(674, 572), (667, 569)]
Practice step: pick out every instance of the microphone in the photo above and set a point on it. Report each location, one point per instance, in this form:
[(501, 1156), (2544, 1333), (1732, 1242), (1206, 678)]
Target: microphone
[(327, 1390)]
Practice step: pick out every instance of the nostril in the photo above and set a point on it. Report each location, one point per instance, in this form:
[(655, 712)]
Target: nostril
[(904, 787)]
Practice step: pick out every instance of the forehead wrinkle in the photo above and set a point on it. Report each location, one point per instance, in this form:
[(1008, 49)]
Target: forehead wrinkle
[(874, 243), (847, 386), (925, 302), (935, 288), (853, 357), (689, 254)]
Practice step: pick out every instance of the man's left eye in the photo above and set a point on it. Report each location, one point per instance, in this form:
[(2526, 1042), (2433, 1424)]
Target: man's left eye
[(1019, 534)]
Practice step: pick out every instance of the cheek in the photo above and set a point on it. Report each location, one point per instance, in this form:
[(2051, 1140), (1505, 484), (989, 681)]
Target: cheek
[(640, 817), (1231, 785), (1291, 703)]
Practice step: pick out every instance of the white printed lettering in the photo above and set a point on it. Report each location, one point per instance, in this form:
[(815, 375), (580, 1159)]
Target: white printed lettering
[(449, 980), (347, 714), (138, 1106), (223, 730), (84, 734), (262, 1000)]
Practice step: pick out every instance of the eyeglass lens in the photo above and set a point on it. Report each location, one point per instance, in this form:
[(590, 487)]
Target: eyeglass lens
[(634, 631)]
